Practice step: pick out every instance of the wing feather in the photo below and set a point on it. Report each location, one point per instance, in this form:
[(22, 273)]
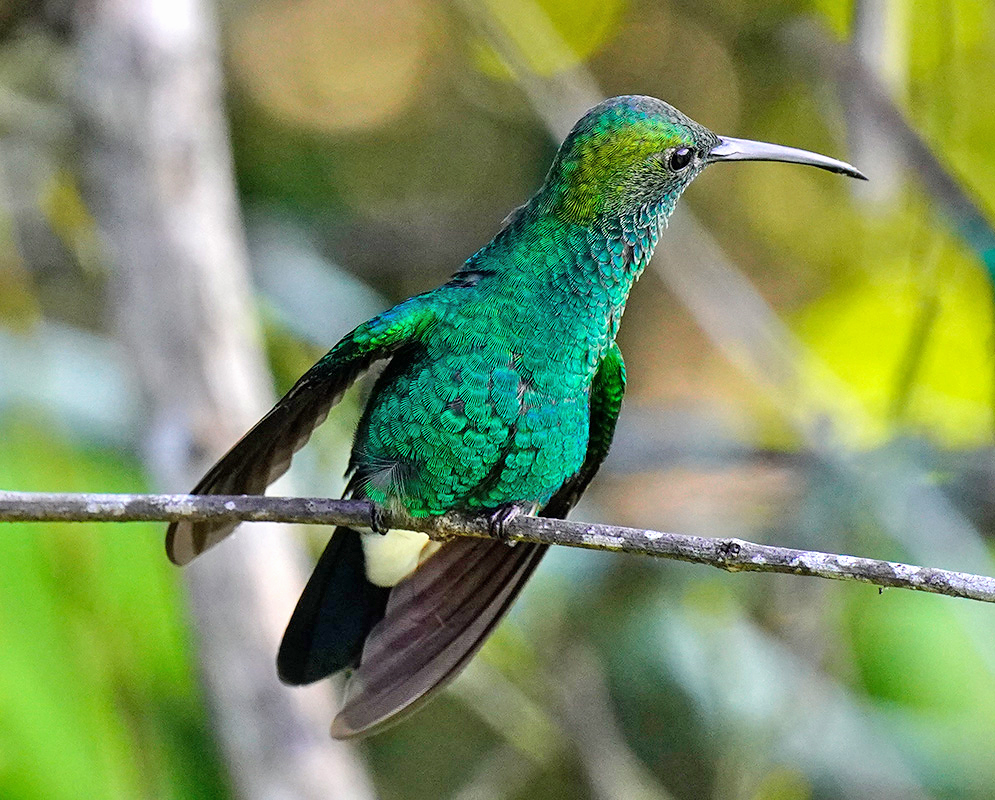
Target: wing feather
[(265, 452)]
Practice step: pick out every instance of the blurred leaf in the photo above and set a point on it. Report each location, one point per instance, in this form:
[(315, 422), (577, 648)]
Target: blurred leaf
[(910, 650), (303, 287), (97, 694), (783, 784), (71, 220), (18, 306), (837, 14)]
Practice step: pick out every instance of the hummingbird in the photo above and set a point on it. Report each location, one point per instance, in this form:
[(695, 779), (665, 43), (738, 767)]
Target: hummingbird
[(500, 396)]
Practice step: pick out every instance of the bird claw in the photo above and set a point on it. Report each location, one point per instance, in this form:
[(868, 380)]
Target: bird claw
[(497, 520), (378, 519)]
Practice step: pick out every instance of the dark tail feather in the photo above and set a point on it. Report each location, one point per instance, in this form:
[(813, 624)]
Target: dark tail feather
[(435, 621), (334, 615)]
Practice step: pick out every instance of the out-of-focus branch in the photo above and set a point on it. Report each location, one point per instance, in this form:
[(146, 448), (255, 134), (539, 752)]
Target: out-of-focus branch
[(950, 193), (612, 768), (877, 40), (154, 145), (731, 554)]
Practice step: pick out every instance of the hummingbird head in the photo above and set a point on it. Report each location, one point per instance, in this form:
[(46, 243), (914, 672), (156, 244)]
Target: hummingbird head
[(634, 153)]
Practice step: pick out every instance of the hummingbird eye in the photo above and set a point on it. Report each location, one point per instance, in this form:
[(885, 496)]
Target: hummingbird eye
[(680, 158)]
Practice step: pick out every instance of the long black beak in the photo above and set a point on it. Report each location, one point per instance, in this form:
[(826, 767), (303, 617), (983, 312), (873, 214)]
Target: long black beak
[(730, 149)]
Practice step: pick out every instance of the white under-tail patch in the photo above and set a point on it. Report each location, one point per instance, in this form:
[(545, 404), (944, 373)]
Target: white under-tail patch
[(392, 556)]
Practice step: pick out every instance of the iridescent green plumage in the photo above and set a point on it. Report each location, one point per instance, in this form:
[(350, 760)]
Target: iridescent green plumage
[(502, 392), (491, 407)]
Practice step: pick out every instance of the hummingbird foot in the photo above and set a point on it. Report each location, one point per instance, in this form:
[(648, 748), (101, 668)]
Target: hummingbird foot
[(378, 519), (498, 519)]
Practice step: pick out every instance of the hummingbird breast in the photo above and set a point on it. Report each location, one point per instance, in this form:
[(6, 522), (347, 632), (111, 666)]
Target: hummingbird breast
[(490, 409)]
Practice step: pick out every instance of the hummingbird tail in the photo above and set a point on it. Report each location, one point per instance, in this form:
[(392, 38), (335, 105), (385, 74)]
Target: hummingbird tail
[(336, 611), (435, 621)]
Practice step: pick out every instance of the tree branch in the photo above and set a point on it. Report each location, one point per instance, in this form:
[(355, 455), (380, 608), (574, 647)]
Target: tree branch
[(733, 555)]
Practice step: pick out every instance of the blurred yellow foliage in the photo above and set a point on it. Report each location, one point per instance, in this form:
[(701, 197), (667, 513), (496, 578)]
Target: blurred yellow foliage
[(861, 332), (550, 35), (332, 65)]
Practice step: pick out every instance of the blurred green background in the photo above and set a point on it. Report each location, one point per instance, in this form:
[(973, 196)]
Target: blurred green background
[(848, 407)]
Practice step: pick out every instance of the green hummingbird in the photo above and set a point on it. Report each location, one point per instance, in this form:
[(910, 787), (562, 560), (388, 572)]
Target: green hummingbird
[(500, 396)]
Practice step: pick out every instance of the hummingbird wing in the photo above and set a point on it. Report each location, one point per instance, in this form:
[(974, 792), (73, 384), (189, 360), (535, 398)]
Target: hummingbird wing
[(264, 453), (440, 616)]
